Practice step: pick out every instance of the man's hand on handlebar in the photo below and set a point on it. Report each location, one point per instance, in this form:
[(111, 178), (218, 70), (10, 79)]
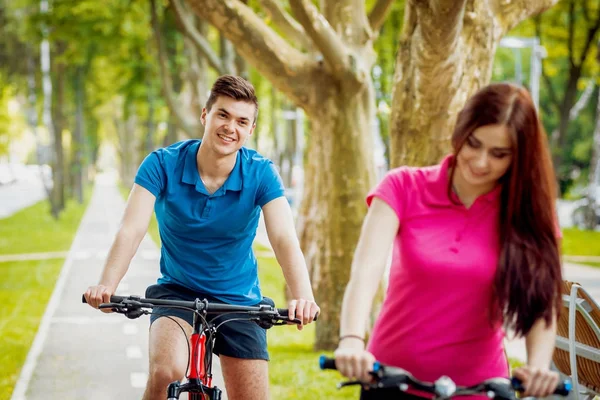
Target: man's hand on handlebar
[(99, 294), (304, 310)]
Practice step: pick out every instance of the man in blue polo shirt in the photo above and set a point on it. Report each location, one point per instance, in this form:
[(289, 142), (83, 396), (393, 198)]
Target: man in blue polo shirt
[(207, 195)]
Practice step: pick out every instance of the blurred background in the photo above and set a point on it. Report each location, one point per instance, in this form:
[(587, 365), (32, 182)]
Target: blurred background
[(347, 90)]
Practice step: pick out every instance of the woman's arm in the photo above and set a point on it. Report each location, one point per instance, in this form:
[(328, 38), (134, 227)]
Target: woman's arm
[(377, 235), (540, 343), (538, 379)]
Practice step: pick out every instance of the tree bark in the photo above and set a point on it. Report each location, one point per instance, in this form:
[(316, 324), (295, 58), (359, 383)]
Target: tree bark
[(45, 63), (333, 207), (190, 128), (77, 166), (446, 54), (42, 156), (594, 172), (58, 119), (335, 90)]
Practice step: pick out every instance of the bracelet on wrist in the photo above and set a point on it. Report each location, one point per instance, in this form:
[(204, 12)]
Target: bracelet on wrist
[(352, 336)]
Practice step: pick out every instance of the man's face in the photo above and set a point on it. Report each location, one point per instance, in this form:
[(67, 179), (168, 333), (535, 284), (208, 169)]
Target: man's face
[(228, 124)]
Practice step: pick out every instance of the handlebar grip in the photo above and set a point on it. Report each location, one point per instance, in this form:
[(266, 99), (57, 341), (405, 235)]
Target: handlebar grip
[(562, 389), (113, 299), (284, 312), (327, 363)]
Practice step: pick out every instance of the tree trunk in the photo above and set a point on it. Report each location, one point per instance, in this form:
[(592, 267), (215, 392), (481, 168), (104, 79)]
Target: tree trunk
[(45, 62), (58, 119), (338, 174), (227, 54), (594, 173), (78, 144), (150, 125), (41, 151), (128, 143), (446, 54), (558, 141), (333, 85)]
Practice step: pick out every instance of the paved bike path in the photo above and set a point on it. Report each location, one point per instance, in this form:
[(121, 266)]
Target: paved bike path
[(80, 352)]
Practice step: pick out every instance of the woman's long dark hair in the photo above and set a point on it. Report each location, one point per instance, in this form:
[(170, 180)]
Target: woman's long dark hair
[(528, 280)]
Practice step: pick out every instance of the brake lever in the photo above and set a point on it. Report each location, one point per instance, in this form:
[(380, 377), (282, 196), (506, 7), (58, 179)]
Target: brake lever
[(115, 307), (285, 321), (349, 383)]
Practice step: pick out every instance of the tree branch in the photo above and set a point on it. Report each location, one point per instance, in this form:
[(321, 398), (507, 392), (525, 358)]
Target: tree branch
[(197, 39), (379, 13), (553, 97), (586, 11), (583, 100), (510, 12), (441, 38), (325, 38), (286, 67), (590, 38), (288, 25), (571, 31), (167, 86)]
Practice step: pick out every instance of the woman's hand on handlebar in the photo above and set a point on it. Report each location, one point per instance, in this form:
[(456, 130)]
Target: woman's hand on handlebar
[(538, 382), (352, 360), (96, 295)]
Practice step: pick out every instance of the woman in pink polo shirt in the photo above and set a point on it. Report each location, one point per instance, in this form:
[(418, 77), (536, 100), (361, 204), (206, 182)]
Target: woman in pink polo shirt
[(475, 251)]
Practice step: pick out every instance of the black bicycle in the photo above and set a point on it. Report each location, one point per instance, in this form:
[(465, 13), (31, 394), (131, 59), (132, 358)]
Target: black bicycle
[(385, 377), (200, 346)]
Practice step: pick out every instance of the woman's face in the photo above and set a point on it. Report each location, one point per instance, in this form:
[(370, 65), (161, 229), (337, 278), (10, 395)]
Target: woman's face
[(485, 157)]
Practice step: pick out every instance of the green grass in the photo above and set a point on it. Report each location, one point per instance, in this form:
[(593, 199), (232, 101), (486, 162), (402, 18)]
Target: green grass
[(293, 371), (23, 297), (581, 243), (33, 230), (26, 286)]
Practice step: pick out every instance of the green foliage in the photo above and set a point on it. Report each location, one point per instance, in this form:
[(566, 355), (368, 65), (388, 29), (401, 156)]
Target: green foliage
[(565, 57), (11, 123)]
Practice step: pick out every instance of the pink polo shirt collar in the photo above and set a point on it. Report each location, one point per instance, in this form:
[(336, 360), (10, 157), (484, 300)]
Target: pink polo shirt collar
[(438, 185)]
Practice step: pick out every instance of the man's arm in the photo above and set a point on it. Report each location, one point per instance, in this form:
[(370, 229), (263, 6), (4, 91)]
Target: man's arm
[(282, 235), (132, 230)]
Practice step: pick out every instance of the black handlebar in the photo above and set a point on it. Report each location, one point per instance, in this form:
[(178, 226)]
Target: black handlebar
[(394, 377), (130, 302)]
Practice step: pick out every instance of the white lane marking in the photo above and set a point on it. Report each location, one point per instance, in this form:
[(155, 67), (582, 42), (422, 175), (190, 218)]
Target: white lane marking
[(133, 352), (101, 255), (82, 255), (82, 320), (130, 329), (138, 379)]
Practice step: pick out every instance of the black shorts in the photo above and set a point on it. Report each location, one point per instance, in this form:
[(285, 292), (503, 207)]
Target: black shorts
[(238, 339)]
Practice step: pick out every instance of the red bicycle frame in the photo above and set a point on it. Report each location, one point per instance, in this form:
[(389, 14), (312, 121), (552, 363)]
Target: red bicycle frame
[(197, 369)]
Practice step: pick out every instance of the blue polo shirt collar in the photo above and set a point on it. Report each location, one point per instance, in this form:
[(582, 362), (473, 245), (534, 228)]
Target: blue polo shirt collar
[(190, 172)]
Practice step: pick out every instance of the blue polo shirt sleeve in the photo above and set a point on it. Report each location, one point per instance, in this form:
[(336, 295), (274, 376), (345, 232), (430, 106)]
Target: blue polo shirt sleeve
[(270, 187), (151, 174)]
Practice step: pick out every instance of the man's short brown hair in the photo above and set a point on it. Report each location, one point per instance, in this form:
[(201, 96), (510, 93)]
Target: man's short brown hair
[(234, 87)]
